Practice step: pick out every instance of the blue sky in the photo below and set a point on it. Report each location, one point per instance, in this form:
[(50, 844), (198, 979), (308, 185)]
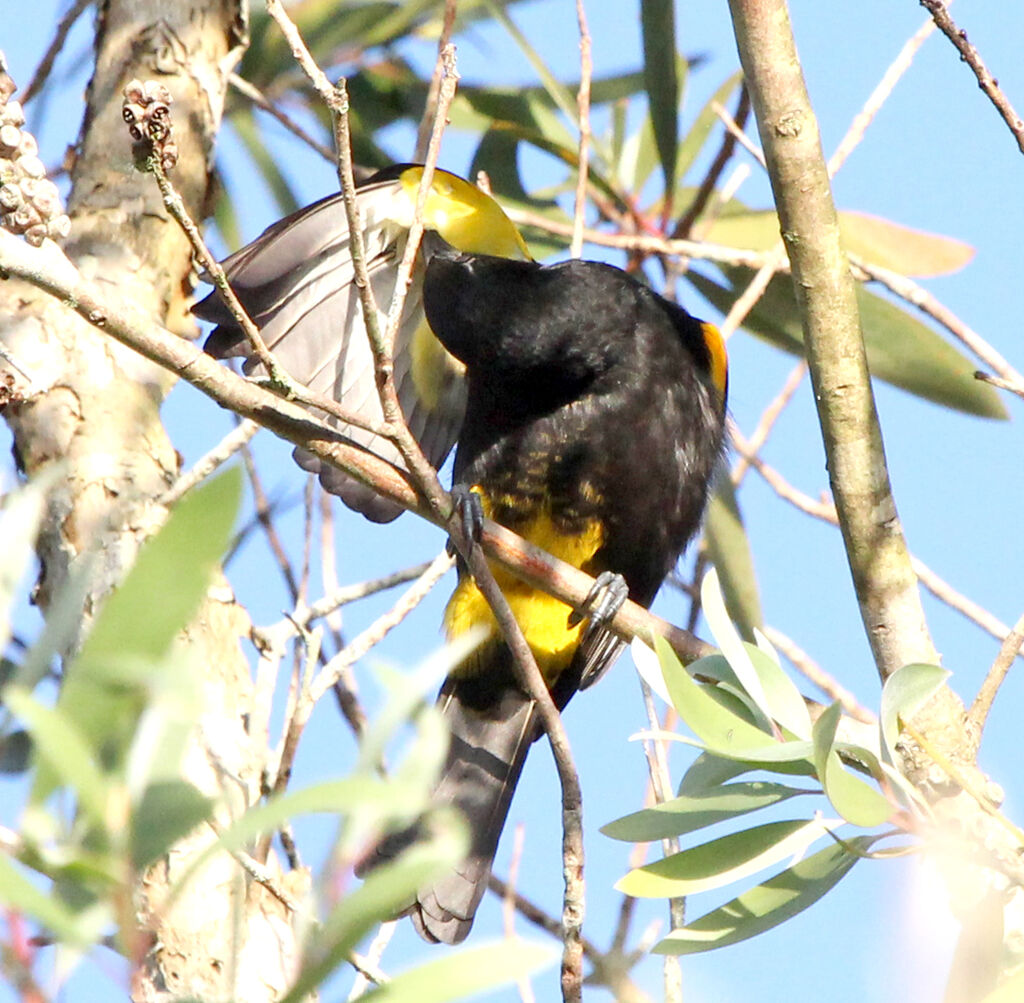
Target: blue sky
[(937, 158)]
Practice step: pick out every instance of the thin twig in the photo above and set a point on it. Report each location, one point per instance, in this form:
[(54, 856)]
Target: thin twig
[(258, 98), (661, 784), (583, 109), (859, 126), (1008, 651), (509, 904), (533, 913), (373, 634), (265, 518), (60, 36), (825, 511), (684, 228), (769, 417), (915, 294), (238, 437), (426, 126), (1013, 386), (812, 671), (969, 55), (371, 960)]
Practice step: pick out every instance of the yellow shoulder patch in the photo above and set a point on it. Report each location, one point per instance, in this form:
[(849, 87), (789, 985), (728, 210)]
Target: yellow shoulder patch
[(719, 358)]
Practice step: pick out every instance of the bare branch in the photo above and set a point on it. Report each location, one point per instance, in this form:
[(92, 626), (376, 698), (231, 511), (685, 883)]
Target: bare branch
[(969, 54), (1010, 649), (583, 110)]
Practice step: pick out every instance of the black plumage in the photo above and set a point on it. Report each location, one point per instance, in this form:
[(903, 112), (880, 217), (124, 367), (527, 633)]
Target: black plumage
[(594, 421)]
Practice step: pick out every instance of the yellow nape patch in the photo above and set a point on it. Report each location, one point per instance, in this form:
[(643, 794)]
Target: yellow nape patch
[(469, 219), (544, 620), (719, 359)]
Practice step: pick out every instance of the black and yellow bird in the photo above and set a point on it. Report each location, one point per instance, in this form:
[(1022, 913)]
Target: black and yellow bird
[(594, 415), (593, 425), (297, 282)]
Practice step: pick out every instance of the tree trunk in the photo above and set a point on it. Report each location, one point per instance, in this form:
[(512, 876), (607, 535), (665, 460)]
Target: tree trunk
[(96, 406)]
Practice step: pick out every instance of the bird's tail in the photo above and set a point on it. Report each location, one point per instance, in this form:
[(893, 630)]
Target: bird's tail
[(491, 734)]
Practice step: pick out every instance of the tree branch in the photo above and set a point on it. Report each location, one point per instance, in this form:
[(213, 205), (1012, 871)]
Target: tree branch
[(883, 577)]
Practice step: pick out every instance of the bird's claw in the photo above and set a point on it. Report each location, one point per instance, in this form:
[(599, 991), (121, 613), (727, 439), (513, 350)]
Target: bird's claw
[(468, 505), (603, 601)]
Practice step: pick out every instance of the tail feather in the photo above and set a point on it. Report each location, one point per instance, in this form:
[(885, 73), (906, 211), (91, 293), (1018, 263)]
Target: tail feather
[(492, 726)]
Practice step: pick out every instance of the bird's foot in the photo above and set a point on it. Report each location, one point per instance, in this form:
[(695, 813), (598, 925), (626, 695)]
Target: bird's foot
[(603, 601), (468, 506)]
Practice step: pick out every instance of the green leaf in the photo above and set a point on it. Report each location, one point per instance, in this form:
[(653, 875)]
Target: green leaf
[(720, 729), (906, 690), (730, 553), (901, 350), (658, 25), (731, 644), (850, 796), (168, 811), (773, 902), (458, 976), (725, 860), (786, 704), (688, 813), (875, 240)]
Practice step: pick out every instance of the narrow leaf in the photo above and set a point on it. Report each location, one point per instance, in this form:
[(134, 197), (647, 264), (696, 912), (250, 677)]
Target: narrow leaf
[(689, 813), (658, 26), (850, 796), (725, 860), (766, 906), (907, 689)]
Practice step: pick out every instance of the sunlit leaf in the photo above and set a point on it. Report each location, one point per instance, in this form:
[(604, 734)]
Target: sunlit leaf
[(725, 860), (850, 796), (901, 350), (769, 904), (689, 813), (720, 729), (875, 240), (731, 644), (907, 689)]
